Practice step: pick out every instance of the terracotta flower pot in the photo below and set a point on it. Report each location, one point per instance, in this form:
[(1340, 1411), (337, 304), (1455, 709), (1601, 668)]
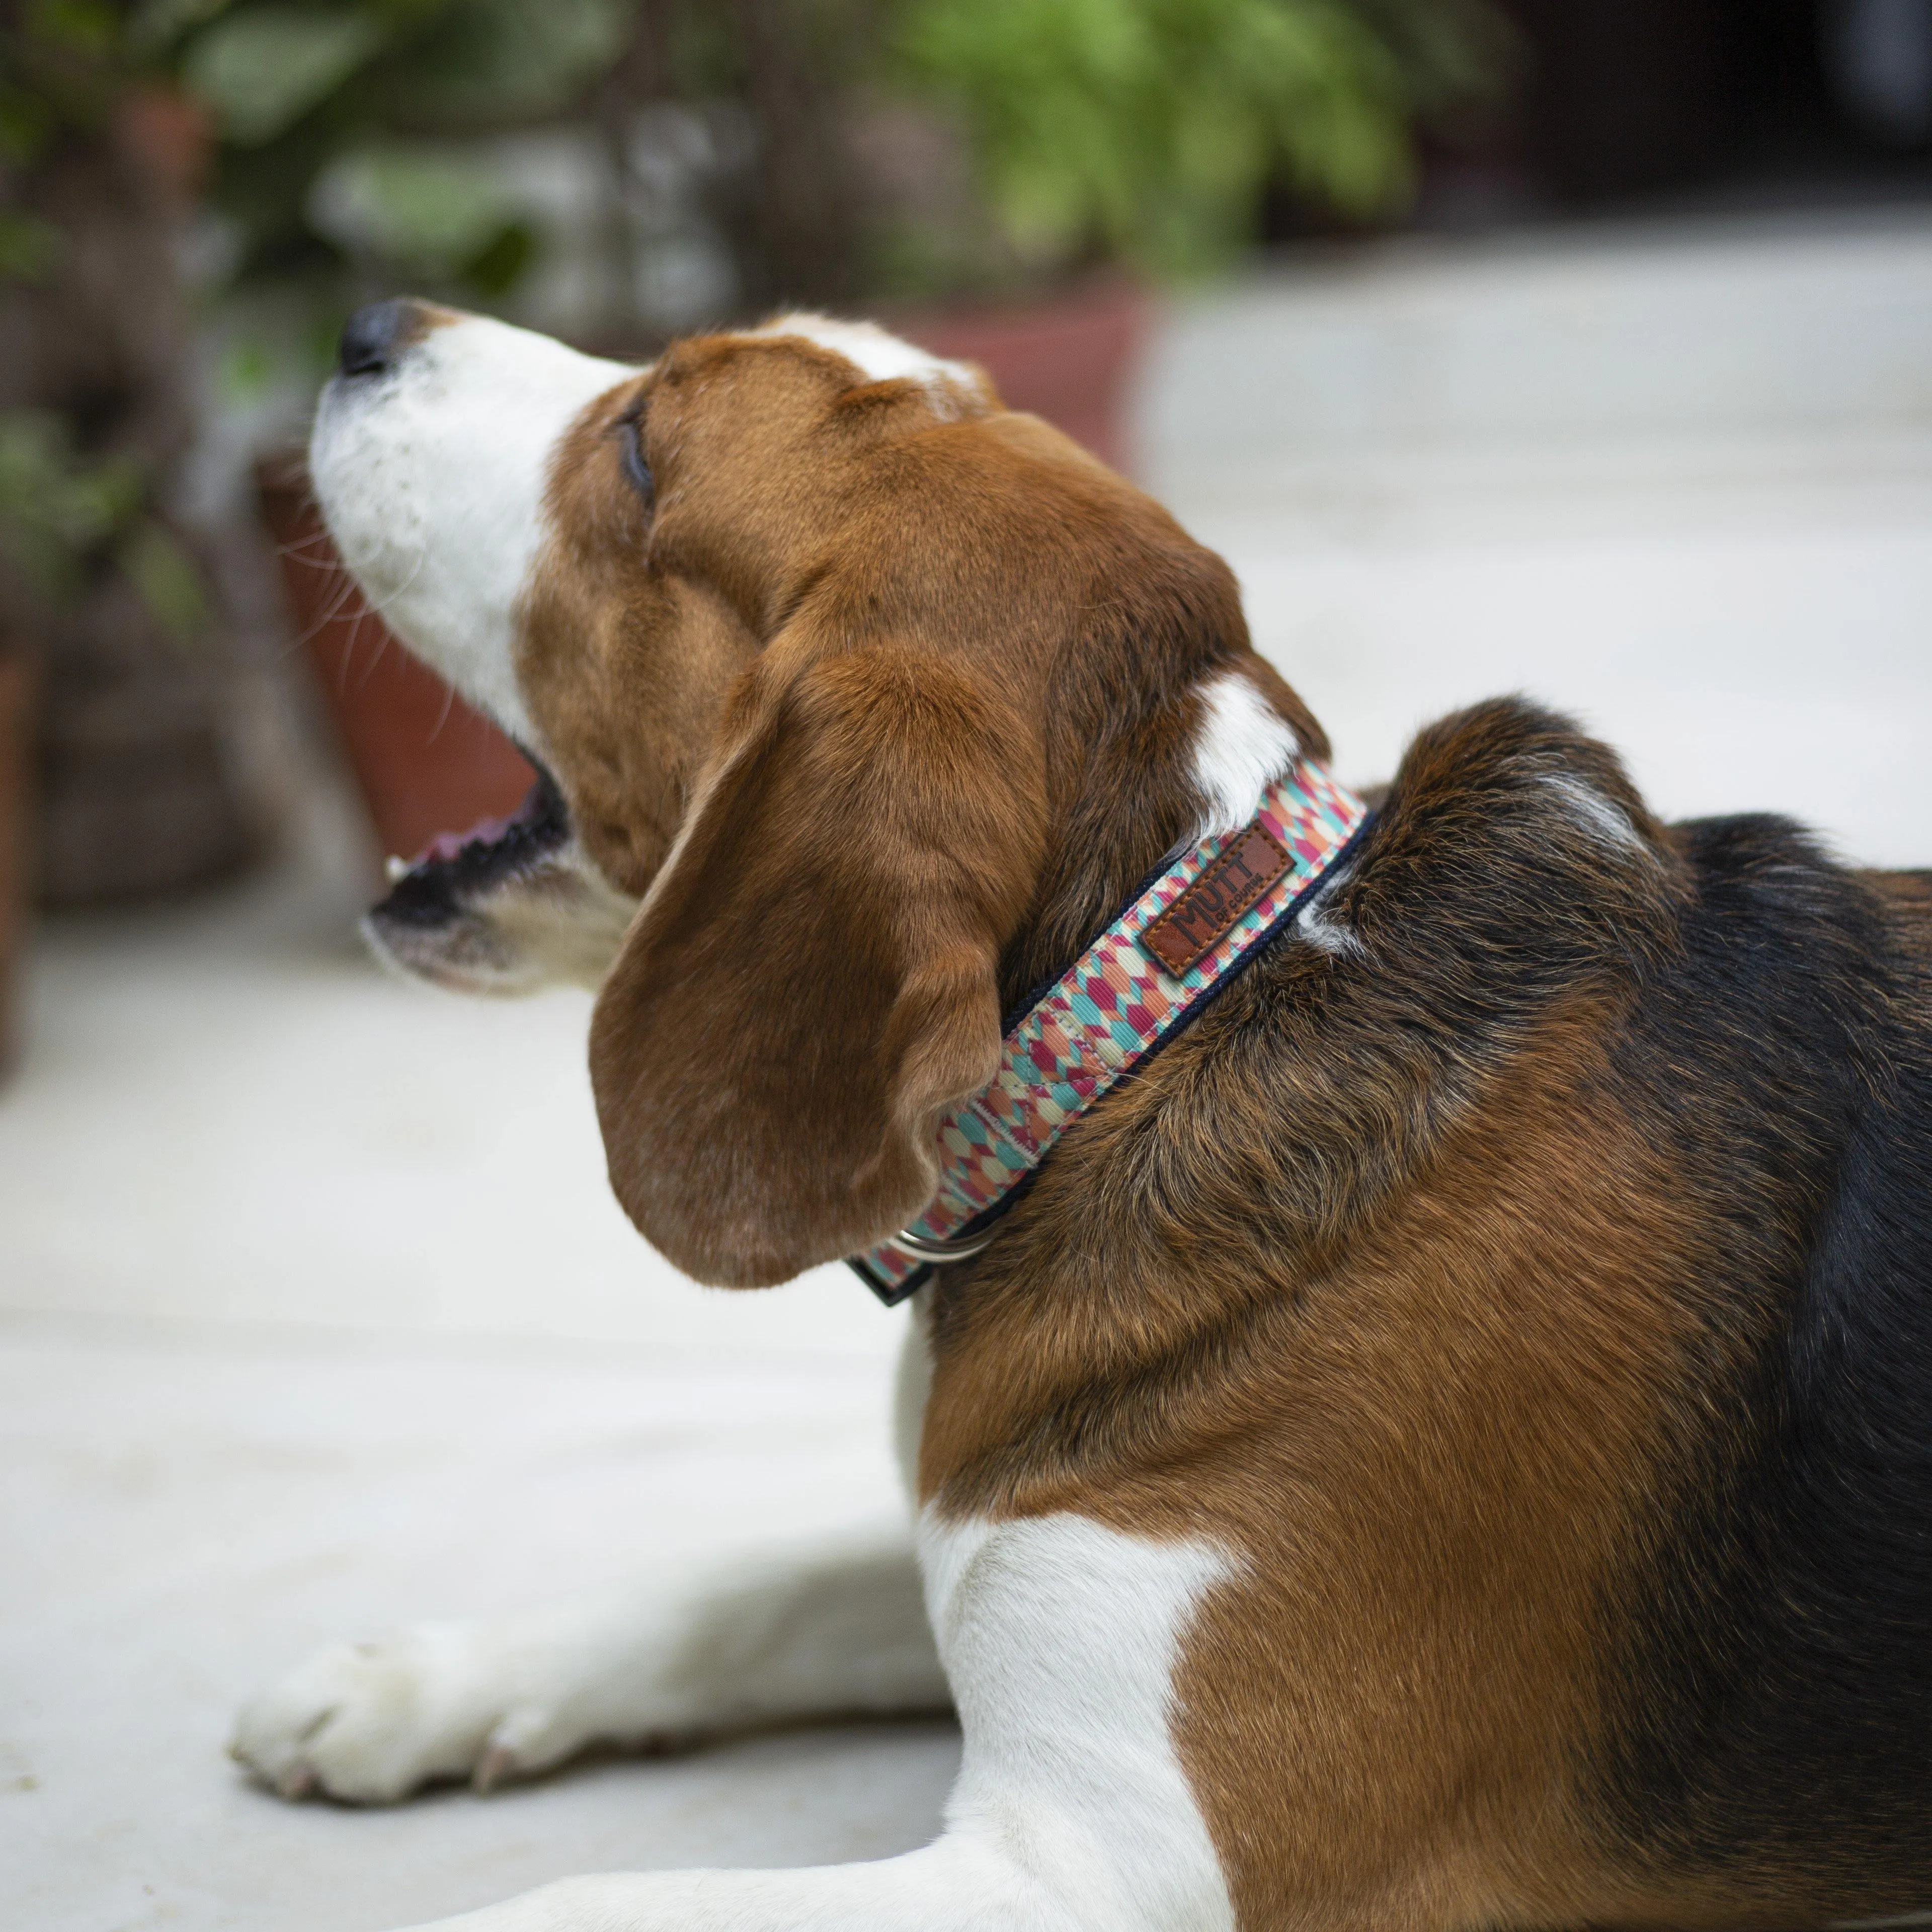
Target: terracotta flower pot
[(427, 762), (424, 760), (16, 796), (1071, 359)]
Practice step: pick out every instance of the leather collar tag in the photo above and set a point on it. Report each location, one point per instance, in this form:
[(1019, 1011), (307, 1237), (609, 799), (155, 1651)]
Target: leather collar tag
[(1205, 913)]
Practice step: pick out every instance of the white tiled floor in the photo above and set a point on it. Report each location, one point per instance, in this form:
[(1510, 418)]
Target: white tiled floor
[(315, 1314), (314, 1310), (189, 1507)]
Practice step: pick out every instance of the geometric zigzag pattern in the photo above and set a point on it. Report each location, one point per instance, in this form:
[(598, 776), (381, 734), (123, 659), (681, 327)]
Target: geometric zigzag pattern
[(1114, 1004)]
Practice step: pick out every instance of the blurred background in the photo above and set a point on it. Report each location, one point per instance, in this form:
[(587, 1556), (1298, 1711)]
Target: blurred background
[(1577, 346)]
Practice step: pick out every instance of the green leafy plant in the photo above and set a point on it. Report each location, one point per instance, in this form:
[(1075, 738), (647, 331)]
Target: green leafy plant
[(64, 514), (366, 106), (72, 514), (262, 66), (347, 142), (1146, 130)]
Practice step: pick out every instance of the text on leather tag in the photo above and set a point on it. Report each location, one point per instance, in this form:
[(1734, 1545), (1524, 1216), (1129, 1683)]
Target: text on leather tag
[(1205, 913)]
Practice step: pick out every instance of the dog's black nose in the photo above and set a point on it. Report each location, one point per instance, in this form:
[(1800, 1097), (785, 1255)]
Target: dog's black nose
[(374, 336)]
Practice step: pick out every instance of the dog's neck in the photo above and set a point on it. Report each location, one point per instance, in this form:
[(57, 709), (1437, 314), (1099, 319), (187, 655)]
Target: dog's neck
[(1312, 1108), (1181, 941), (1124, 771)]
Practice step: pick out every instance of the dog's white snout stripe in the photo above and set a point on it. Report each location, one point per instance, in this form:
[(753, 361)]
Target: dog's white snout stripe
[(433, 482)]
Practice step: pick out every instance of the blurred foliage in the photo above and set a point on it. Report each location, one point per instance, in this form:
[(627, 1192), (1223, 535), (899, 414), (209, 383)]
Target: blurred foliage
[(1141, 130), (72, 514), (259, 72), (344, 142), (358, 107), (428, 205), (262, 65), (64, 514), (1147, 130), (56, 508)]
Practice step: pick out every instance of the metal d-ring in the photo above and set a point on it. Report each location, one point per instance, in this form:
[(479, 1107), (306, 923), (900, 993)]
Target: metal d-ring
[(923, 1249)]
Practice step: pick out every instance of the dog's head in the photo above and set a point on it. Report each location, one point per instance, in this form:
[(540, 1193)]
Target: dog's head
[(860, 703)]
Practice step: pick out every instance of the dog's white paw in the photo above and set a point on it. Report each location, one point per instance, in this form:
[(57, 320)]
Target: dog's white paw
[(371, 1722)]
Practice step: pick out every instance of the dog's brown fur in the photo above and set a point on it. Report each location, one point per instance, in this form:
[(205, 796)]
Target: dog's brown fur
[(1386, 1275), (842, 835)]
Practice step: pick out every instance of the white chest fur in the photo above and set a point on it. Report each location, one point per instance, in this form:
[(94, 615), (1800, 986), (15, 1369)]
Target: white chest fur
[(1060, 1639)]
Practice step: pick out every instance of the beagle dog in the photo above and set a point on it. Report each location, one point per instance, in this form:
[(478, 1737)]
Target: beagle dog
[(1444, 1443)]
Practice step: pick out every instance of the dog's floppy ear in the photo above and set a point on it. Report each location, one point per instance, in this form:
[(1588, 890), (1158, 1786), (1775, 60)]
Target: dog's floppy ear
[(810, 984)]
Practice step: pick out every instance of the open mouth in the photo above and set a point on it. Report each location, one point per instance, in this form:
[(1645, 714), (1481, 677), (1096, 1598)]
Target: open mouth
[(456, 867)]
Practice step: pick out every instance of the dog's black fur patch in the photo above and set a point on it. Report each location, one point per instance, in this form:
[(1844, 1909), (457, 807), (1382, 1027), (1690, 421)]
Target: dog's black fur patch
[(1776, 1659)]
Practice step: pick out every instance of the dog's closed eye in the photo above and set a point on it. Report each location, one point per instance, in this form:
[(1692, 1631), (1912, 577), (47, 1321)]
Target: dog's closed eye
[(630, 431)]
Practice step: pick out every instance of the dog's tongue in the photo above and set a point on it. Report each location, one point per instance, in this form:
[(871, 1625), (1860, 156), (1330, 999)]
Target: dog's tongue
[(445, 845)]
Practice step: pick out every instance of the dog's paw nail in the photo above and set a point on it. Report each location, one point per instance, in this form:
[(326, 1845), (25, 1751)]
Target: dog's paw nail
[(496, 1763), (298, 1782)]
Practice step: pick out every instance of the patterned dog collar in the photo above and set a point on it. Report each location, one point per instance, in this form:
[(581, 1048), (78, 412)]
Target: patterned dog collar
[(1182, 940)]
